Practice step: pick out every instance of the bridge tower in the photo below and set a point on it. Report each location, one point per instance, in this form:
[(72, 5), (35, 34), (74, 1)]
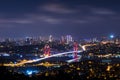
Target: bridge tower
[(46, 50), (75, 48)]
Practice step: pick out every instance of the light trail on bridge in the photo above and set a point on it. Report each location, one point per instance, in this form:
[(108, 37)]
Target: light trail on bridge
[(36, 60), (74, 60), (40, 59), (58, 54), (46, 57)]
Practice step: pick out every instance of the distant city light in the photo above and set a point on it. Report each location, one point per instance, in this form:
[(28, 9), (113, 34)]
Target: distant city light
[(29, 72), (5, 54), (111, 36), (21, 56)]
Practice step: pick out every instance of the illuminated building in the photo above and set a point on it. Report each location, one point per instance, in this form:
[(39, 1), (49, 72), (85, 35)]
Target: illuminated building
[(117, 40), (50, 38), (95, 40), (62, 39), (28, 41), (69, 38)]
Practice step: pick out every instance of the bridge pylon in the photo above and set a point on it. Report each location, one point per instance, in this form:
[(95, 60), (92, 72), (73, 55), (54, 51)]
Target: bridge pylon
[(75, 48), (47, 50)]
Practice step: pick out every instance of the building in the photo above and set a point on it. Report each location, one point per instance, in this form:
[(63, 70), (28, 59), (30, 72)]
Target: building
[(69, 39), (117, 40), (50, 38)]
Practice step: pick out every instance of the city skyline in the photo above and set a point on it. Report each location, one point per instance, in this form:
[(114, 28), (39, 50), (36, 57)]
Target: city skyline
[(59, 17)]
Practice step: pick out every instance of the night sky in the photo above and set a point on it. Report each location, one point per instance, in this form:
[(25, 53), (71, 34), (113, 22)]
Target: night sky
[(79, 18)]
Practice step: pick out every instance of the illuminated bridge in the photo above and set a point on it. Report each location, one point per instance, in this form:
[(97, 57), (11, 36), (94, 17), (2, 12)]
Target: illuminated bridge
[(58, 54), (54, 55), (47, 57)]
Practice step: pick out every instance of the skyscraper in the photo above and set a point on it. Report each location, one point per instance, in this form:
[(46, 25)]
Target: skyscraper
[(69, 38), (50, 38)]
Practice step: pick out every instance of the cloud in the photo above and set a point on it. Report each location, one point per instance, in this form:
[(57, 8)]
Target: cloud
[(15, 20), (56, 8), (90, 14), (82, 14), (102, 11), (39, 18), (31, 19), (80, 21), (22, 21), (50, 19)]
